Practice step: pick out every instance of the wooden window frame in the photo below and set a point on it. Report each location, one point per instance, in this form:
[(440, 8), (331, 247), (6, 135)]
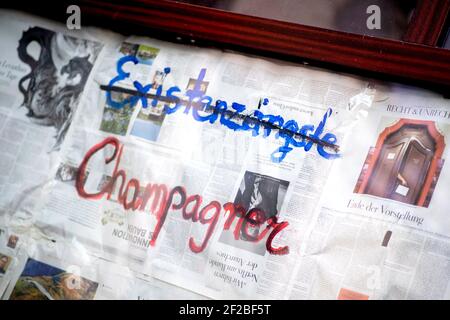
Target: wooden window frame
[(415, 59)]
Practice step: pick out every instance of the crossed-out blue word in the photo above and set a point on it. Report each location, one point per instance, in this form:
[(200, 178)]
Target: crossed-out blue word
[(293, 135)]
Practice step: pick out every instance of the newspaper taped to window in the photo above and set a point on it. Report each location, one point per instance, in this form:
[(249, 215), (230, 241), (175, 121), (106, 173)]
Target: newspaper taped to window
[(134, 168)]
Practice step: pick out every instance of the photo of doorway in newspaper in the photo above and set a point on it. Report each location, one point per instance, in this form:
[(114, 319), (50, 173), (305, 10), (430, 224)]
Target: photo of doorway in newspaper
[(261, 192), (40, 281), (406, 162)]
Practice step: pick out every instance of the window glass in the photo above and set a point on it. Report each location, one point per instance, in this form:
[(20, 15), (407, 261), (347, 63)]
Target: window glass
[(379, 18)]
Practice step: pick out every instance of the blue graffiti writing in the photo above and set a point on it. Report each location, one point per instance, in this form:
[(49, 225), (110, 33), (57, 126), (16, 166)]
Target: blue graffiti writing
[(231, 115)]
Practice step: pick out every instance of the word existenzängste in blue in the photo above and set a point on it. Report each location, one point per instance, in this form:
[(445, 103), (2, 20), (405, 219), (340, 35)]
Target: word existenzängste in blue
[(288, 130)]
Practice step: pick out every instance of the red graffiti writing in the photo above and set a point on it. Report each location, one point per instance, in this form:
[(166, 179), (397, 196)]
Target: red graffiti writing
[(177, 198)]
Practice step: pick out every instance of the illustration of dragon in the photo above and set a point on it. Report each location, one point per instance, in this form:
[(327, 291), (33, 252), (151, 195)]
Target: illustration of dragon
[(51, 92)]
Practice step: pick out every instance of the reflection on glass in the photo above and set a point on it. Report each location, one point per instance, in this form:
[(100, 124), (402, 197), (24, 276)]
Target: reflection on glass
[(340, 15), (447, 40)]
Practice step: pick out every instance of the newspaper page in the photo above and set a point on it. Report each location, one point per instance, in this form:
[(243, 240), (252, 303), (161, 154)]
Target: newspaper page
[(43, 73), (383, 224), (175, 183)]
